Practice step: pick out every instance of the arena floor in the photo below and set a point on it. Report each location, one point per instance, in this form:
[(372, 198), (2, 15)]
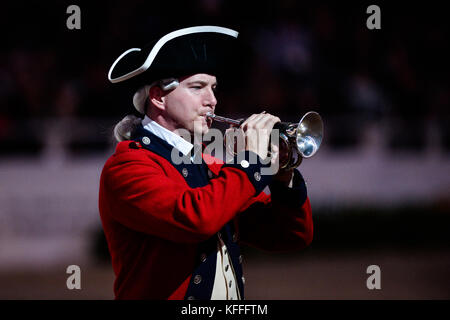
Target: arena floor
[(312, 274)]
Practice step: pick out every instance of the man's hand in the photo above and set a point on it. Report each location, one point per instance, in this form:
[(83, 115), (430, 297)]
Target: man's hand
[(283, 176), (257, 129)]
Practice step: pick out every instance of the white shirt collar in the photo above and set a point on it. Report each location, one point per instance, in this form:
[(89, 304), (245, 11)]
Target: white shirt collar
[(171, 138)]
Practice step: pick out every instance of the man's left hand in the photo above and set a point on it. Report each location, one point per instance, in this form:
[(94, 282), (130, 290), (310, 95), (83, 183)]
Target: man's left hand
[(283, 176)]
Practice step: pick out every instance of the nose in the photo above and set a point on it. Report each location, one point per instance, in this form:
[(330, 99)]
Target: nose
[(210, 99)]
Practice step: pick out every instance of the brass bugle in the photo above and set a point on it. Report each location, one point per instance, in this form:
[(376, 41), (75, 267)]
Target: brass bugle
[(302, 139)]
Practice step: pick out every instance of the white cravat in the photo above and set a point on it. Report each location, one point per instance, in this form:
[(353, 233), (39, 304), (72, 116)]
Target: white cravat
[(170, 137)]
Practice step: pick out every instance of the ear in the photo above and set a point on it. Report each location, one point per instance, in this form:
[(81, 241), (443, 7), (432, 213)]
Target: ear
[(156, 96)]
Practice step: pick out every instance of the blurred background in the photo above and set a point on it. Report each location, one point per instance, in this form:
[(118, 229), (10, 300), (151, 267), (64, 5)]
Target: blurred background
[(379, 186)]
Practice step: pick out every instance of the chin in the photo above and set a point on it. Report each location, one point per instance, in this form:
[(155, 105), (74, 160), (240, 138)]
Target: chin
[(201, 126), (203, 129)]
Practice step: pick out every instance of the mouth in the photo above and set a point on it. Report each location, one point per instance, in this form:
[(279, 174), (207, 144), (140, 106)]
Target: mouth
[(208, 120)]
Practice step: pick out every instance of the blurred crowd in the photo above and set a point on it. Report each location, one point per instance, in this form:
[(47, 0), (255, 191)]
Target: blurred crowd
[(301, 56)]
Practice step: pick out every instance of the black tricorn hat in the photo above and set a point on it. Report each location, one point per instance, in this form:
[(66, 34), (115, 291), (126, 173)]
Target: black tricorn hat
[(199, 49)]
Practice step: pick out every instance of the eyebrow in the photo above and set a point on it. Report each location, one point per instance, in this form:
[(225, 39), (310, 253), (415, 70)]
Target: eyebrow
[(204, 83)]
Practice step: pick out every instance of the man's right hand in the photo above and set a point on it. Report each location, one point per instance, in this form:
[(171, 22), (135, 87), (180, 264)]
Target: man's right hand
[(257, 129)]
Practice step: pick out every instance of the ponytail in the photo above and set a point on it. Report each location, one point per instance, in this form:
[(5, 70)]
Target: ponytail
[(125, 128)]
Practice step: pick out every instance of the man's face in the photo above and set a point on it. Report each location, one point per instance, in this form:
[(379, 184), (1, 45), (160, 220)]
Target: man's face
[(188, 104)]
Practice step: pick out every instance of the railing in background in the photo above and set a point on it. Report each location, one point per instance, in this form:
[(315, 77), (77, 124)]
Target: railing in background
[(49, 194)]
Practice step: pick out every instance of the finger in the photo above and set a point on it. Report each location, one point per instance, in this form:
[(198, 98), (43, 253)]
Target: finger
[(274, 148), (274, 151), (267, 122), (274, 156), (259, 120), (229, 130), (252, 121), (245, 123)]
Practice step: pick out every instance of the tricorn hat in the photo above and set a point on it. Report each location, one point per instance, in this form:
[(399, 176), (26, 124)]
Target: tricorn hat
[(200, 49)]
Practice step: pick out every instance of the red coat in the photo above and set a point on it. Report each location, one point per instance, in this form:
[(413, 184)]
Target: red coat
[(154, 221)]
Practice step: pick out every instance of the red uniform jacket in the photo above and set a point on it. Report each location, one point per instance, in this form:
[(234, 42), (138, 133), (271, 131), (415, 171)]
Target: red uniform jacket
[(155, 221)]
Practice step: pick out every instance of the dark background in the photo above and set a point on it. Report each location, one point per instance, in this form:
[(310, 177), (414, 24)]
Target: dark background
[(54, 95), (299, 54)]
